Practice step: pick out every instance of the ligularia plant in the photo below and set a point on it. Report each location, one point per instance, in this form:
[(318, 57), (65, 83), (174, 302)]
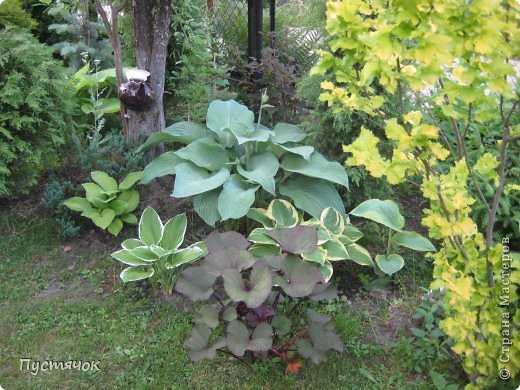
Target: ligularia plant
[(232, 161), (156, 254)]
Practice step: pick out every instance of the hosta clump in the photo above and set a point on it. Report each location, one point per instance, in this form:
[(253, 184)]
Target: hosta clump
[(156, 254), (247, 319), (107, 203), (234, 161), (285, 231)]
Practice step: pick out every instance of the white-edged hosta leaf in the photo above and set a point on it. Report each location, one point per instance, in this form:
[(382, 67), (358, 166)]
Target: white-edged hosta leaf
[(130, 180), (126, 257), (336, 250), (173, 232), (186, 255), (332, 220), (261, 169), (312, 195), (261, 215), (77, 204), (131, 243), (236, 198), (139, 272), (145, 253), (283, 212), (192, 180), (317, 166), (162, 165), (319, 256), (205, 206), (150, 227), (359, 254), (261, 250), (106, 182), (413, 241), (326, 271), (284, 132), (385, 212), (259, 236), (205, 153), (390, 264)]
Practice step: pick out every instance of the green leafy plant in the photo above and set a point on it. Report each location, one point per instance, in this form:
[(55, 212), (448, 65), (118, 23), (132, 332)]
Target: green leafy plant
[(233, 161), (284, 231), (53, 198), (249, 312), (156, 254), (107, 203), (35, 110)]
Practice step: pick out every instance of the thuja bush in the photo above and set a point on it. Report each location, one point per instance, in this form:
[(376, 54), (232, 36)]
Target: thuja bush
[(247, 321), (35, 107), (233, 163), (456, 60)]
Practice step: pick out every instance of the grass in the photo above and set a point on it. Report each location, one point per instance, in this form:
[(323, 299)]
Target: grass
[(70, 305)]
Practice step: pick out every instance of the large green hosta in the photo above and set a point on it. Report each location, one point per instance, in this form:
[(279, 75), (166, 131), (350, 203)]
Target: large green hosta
[(233, 161)]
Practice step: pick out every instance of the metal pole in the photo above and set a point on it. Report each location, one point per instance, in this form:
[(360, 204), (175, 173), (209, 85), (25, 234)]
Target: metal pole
[(255, 28)]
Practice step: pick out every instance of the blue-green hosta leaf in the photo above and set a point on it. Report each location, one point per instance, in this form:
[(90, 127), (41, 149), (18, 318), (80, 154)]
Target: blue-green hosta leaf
[(104, 218), (78, 204), (317, 166), (126, 257), (198, 344), (332, 220), (195, 283), (187, 255), (255, 292), (129, 218), (298, 239), (115, 227), (284, 132), (205, 206), (131, 197), (232, 116), (243, 134), (281, 324), (236, 198), (318, 256), (173, 232), (192, 180), (259, 236), (163, 165), (93, 194), (150, 227), (182, 132), (261, 169), (299, 277), (145, 253), (385, 212), (131, 243), (413, 241), (359, 254), (205, 153), (239, 340), (260, 215), (303, 151), (106, 182), (283, 213), (139, 272), (390, 264), (130, 180), (312, 195)]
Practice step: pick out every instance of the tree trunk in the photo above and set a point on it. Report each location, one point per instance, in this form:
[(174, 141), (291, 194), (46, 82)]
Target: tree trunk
[(152, 32)]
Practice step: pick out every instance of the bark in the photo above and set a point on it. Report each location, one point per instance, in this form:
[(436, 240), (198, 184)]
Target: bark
[(152, 32)]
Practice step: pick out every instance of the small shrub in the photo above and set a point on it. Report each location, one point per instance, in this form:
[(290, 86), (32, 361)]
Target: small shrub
[(35, 107), (53, 198)]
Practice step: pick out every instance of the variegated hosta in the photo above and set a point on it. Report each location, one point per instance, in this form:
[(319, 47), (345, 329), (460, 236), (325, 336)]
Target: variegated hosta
[(156, 254), (248, 306), (232, 162), (285, 231), (108, 204)]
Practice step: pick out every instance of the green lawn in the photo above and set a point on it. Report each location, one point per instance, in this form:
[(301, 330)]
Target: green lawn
[(71, 305)]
